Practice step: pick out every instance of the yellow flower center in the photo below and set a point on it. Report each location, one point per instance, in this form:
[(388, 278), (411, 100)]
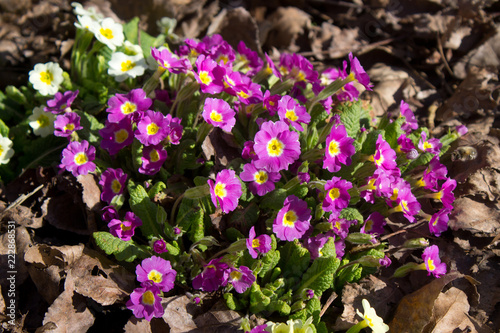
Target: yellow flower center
[(368, 225), (46, 77), (124, 227), (333, 148), (215, 116), (223, 58), (260, 177), (148, 298), (107, 33), (205, 78), (289, 218), (243, 94), (380, 160), (430, 264), (334, 193), (338, 226), (81, 158), (121, 136), (220, 190), (369, 321), (69, 127), (127, 65), (290, 114), (128, 107), (152, 129), (155, 276), (301, 76), (404, 205), (394, 195), (43, 121), (255, 243), (427, 145), (275, 147), (235, 275), (154, 156), (116, 186)]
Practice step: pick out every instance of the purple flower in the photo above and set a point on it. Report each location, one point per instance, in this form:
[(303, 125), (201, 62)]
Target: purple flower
[(292, 220), (166, 59), (157, 272), (223, 53), (112, 182), (262, 182), (315, 244), (65, 124), (374, 224), (124, 229), (218, 113), (348, 91), (385, 156), (359, 73), (250, 60), (385, 261), (214, 275), (432, 261), (152, 128), (293, 113), (445, 194), (259, 329), (61, 103), (174, 129), (339, 149), (336, 196), (145, 302), (434, 172), (271, 67), (209, 75), (276, 146), (248, 92), (248, 152), (116, 136), (160, 246), (109, 213), (270, 102), (241, 278), (226, 191), (298, 68), (77, 158), (432, 146), (152, 159), (405, 144), (256, 245), (411, 122), (128, 105), (438, 222), (406, 203), (340, 227), (462, 130)]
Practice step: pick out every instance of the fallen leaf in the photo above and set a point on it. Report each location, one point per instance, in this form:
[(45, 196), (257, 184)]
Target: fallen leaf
[(287, 29), (7, 253), (179, 313), (219, 319), (222, 146), (475, 216)]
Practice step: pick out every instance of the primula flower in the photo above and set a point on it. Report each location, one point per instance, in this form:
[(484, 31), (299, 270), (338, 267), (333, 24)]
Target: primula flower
[(152, 128), (157, 272), (6, 151), (174, 129), (276, 146), (378, 185), (374, 224), (128, 105), (435, 171), (241, 278), (256, 245), (218, 113), (438, 222), (385, 156), (259, 329), (113, 183), (432, 263), (262, 182), (166, 59), (348, 91), (124, 229), (249, 60), (116, 136), (61, 102), (209, 75), (248, 92), (109, 213), (370, 319), (67, 123), (270, 67), (445, 194), (315, 244), (223, 54), (110, 33), (248, 152), (152, 159), (77, 158), (41, 122), (359, 73), (411, 122), (339, 149), (406, 203), (226, 191), (160, 246), (385, 261), (292, 220), (270, 102), (293, 113), (145, 303), (298, 68), (336, 196), (46, 78), (405, 145), (214, 275), (432, 146), (123, 66), (340, 227)]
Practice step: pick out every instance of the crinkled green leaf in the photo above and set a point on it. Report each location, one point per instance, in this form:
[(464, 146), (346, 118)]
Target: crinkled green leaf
[(144, 208), (350, 213), (349, 274), (147, 41), (351, 115), (122, 250), (294, 259), (131, 30), (155, 189), (258, 301), (91, 127), (269, 261), (280, 306), (274, 199), (4, 130), (370, 143), (319, 276), (190, 219), (393, 131), (246, 217)]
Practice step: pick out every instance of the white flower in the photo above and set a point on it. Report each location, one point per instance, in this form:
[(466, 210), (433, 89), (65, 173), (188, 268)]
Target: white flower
[(123, 66), (86, 22), (110, 33), (132, 49), (6, 150), (46, 78), (92, 12), (371, 319), (42, 122), (167, 25)]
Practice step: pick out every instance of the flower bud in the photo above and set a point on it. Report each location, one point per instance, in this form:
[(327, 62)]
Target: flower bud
[(416, 243), (359, 238)]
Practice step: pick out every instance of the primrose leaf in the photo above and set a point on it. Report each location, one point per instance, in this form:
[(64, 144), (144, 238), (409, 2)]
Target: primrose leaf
[(350, 213), (258, 301), (190, 219), (393, 131), (349, 274), (319, 276), (145, 209), (280, 306), (351, 115), (91, 127), (122, 250), (269, 261), (155, 189), (294, 259), (131, 30)]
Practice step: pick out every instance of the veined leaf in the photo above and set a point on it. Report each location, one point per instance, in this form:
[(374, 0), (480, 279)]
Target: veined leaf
[(319, 276), (294, 259), (122, 250), (144, 208)]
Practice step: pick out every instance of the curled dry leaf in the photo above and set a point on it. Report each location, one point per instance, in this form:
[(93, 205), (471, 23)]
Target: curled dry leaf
[(219, 319), (330, 41), (222, 145), (179, 313), (22, 242), (287, 28), (22, 215)]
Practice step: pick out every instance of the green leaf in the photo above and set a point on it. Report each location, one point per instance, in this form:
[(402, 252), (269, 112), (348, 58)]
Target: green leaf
[(148, 41), (280, 306), (393, 131), (91, 127), (144, 208), (274, 199), (348, 275), (131, 30), (312, 137), (155, 189), (190, 218), (269, 261), (370, 143), (246, 217), (294, 259), (258, 301), (4, 130), (319, 277), (122, 250), (16, 95), (351, 115), (350, 213)]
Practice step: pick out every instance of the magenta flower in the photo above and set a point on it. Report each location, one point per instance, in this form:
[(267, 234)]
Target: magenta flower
[(259, 329), (250, 60), (405, 145), (340, 227), (348, 91), (109, 213), (128, 105), (292, 220), (378, 185), (434, 172), (462, 130), (432, 261), (262, 182), (270, 102), (241, 278), (411, 122), (209, 75), (406, 203), (248, 152), (248, 92), (116, 136), (174, 129), (77, 158), (438, 222), (256, 245), (293, 113), (432, 146), (152, 159), (113, 183), (218, 113), (170, 61), (145, 302), (65, 124), (160, 246), (315, 244), (61, 103), (339, 149), (223, 54), (152, 128), (359, 73), (270, 67), (157, 272), (374, 224), (298, 68), (276, 146), (445, 194), (124, 229), (385, 156), (385, 261), (336, 196), (231, 81), (214, 275), (226, 191)]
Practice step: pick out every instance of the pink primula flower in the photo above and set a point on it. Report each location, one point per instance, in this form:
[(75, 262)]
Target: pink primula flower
[(241, 278), (124, 229), (129, 105), (432, 262), (339, 149), (226, 190), (77, 158), (261, 181), (293, 113), (256, 245), (336, 195), (152, 128), (157, 272), (145, 303), (292, 220), (116, 136), (218, 113), (113, 183)]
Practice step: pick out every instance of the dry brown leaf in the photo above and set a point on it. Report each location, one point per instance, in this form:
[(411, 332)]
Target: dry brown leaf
[(330, 41), (286, 29), (475, 216), (91, 194), (22, 215), (222, 145), (43, 255), (219, 319), (179, 313), (23, 241)]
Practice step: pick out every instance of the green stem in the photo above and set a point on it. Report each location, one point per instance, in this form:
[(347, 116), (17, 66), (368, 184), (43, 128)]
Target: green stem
[(358, 327)]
